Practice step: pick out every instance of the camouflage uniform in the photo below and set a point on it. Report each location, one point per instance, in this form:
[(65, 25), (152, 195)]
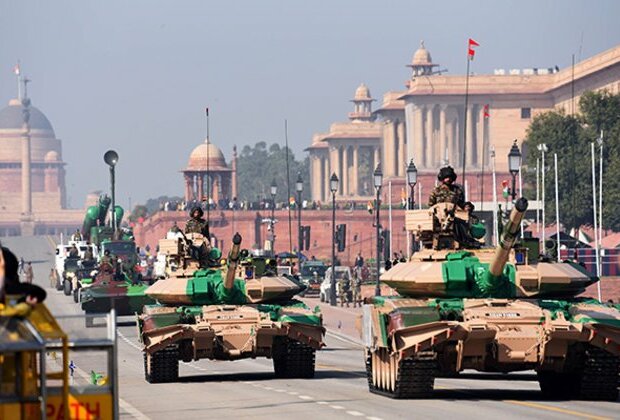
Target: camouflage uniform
[(444, 193), (357, 291), (343, 290), (197, 225)]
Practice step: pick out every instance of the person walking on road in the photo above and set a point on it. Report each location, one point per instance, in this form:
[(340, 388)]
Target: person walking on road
[(29, 273), (357, 289), (53, 278)]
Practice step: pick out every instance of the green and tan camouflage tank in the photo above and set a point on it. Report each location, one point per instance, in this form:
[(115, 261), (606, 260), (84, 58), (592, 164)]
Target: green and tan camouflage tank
[(205, 311), (492, 310)]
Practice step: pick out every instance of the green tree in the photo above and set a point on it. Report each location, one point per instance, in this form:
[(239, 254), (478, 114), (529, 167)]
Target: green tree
[(570, 137), (259, 166)]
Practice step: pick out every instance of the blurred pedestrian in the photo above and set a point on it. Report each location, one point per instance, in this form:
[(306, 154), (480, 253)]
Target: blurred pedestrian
[(29, 273)]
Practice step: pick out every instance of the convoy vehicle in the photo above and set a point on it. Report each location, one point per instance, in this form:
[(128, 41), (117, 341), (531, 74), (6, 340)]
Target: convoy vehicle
[(493, 310), (205, 311), (312, 274)]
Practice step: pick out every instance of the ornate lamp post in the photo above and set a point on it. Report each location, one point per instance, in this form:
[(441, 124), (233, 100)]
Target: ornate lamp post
[(333, 187), (274, 191), (412, 179), (299, 187), (514, 164), (378, 182), (111, 158)]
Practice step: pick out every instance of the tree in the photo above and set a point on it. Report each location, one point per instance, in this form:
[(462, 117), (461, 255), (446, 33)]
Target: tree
[(570, 136), (258, 166)]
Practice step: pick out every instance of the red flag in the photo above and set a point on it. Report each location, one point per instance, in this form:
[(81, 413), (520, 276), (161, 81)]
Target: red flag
[(470, 48), (486, 111), (207, 111)]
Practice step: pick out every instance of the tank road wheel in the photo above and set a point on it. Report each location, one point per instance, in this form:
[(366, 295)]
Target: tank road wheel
[(162, 366), (67, 287), (409, 378), (292, 359)]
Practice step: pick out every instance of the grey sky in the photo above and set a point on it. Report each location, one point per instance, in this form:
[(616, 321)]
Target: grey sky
[(136, 75)]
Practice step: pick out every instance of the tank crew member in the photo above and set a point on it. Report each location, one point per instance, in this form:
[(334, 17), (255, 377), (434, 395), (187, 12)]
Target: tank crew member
[(447, 191), (77, 236), (197, 224), (10, 285), (88, 254)]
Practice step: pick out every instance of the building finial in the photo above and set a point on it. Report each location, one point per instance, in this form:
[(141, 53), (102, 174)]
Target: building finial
[(422, 44), (17, 72), (25, 81)]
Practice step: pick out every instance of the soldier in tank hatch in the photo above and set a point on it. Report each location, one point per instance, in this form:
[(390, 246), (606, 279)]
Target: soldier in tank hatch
[(448, 191), (197, 224)]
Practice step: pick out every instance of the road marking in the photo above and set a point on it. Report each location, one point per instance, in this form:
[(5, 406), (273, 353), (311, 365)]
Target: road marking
[(305, 397), (556, 409), (322, 402), (293, 393), (337, 407), (133, 411), (344, 338), (355, 413), (373, 418), (333, 367)]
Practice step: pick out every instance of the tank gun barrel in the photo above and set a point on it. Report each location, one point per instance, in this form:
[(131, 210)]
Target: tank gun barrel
[(511, 231), (233, 261)]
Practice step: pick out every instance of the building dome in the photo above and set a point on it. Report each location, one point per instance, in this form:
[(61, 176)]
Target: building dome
[(51, 156), (11, 118), (362, 93), (198, 157), (421, 57)]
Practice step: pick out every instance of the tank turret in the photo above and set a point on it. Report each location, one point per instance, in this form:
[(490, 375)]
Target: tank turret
[(445, 268), (195, 276)]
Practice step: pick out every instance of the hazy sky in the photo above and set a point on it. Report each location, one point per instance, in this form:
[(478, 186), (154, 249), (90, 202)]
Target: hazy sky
[(136, 75)]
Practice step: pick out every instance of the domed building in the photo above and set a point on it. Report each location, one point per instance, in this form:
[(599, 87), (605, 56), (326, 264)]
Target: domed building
[(47, 173), (208, 176)]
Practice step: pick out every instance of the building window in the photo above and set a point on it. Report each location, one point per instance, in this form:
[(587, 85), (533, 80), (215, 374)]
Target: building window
[(526, 112)]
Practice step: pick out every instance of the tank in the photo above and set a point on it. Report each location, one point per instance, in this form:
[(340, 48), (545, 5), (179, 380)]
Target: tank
[(500, 309), (237, 308)]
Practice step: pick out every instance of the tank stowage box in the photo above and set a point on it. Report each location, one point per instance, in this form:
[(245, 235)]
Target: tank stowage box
[(492, 310), (205, 311)]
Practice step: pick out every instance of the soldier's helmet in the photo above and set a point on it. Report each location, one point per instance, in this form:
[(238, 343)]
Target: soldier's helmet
[(196, 209), (446, 172)]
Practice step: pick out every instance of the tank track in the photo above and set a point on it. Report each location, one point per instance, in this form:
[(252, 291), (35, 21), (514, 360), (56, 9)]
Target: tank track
[(162, 366), (415, 378), (294, 360), (595, 380)]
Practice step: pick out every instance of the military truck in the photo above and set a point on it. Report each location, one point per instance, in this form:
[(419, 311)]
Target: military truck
[(205, 311), (312, 274), (493, 310)]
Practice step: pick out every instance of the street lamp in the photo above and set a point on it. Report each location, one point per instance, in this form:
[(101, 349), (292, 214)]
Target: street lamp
[(333, 187), (412, 179), (514, 164), (111, 158), (542, 148), (299, 186), (274, 191), (378, 181)]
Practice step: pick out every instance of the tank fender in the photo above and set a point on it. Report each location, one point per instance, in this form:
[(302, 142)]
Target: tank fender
[(160, 338), (311, 335), (604, 336), (410, 340)]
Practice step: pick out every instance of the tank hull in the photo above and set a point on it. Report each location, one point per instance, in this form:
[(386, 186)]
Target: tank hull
[(410, 341), (289, 334)]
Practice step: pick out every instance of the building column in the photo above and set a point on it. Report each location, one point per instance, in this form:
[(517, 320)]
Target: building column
[(376, 158), (200, 179), (188, 193), (418, 139), (485, 141), (471, 140), (402, 149), (345, 170), (430, 137), (356, 176), (333, 169), (442, 142)]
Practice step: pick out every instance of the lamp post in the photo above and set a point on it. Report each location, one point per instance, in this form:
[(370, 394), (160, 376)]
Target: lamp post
[(111, 158), (299, 187), (378, 181), (333, 187), (514, 164), (274, 191), (542, 148), (412, 179)]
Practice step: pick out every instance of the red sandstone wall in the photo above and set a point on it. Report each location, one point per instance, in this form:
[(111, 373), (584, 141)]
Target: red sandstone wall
[(361, 236)]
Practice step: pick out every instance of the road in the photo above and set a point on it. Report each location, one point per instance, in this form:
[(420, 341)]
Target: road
[(248, 389)]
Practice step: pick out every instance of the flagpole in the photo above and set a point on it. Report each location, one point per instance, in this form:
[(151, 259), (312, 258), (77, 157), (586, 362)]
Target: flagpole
[(521, 195), (537, 196), (484, 142), (596, 243), (288, 190), (495, 221), (465, 116), (600, 198), (19, 81), (390, 214), (557, 206), (208, 176)]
